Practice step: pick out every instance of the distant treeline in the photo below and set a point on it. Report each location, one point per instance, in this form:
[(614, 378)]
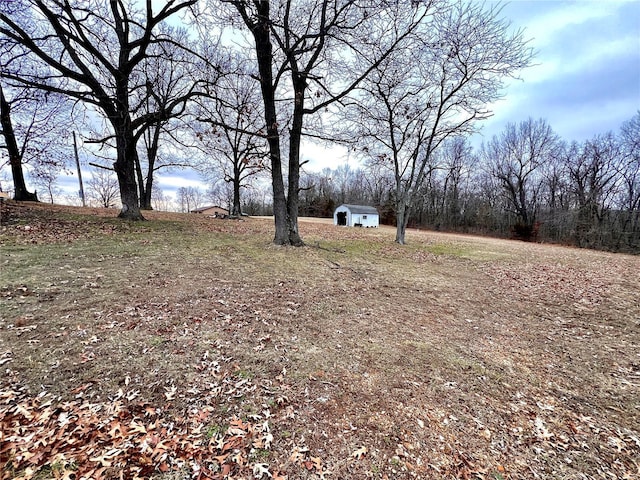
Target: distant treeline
[(522, 184)]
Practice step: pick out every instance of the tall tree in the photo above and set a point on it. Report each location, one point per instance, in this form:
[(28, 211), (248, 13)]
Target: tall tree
[(515, 159), (99, 47), (455, 160), (323, 51), (6, 121), (556, 197), (594, 175), (35, 127), (229, 132), (20, 191), (171, 71), (630, 172), (437, 87)]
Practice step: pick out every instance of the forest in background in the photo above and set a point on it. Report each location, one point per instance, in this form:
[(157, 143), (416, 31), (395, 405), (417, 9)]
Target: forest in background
[(237, 90), (525, 183)]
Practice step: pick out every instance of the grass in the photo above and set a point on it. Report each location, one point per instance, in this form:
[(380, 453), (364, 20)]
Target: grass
[(451, 356)]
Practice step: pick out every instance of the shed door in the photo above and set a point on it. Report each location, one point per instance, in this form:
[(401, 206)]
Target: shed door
[(342, 218)]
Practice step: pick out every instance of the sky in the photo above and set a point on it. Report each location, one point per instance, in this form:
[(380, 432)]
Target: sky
[(586, 74), (585, 79)]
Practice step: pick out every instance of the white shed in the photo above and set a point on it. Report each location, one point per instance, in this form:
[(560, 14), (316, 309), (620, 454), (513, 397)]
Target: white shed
[(356, 216)]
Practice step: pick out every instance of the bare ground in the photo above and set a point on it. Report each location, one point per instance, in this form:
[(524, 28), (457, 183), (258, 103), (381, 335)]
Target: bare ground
[(189, 347)]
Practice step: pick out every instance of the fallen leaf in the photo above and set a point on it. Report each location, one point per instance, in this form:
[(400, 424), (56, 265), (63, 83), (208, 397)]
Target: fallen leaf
[(299, 454), (261, 469), (137, 427), (359, 453), (170, 392), (541, 429)]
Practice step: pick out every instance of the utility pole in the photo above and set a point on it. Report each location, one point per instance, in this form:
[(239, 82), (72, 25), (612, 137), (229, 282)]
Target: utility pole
[(75, 149)]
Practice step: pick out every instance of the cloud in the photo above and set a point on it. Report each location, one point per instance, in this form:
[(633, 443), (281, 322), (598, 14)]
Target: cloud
[(322, 156), (547, 22), (69, 182), (587, 77), (169, 183)]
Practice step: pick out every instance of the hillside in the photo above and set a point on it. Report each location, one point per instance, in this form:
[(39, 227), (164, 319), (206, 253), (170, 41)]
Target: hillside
[(190, 347)]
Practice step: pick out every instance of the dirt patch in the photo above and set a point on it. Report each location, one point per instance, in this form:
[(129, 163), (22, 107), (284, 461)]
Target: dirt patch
[(451, 357)]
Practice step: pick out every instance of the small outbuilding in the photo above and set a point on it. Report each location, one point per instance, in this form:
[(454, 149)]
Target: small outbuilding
[(356, 216), (212, 211)]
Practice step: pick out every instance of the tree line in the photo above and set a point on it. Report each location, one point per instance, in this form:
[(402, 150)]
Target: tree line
[(237, 88), (525, 182)]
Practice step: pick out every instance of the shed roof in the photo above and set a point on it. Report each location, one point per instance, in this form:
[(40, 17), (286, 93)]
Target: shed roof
[(365, 209), (210, 207)]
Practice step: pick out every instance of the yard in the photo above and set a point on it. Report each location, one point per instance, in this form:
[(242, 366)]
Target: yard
[(191, 347)]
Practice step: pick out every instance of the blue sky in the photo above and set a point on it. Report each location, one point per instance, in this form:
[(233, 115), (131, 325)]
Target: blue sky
[(585, 81), (586, 77)]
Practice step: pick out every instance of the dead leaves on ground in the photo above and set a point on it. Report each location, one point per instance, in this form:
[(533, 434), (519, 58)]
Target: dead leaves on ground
[(556, 284), (77, 439), (482, 428), (37, 228)]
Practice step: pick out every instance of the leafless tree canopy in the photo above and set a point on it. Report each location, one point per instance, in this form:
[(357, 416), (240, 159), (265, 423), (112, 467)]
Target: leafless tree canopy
[(102, 188), (240, 87), (436, 87), (94, 52)]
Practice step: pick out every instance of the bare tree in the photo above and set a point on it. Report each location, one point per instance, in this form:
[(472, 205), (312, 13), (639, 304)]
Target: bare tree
[(229, 133), (318, 197), (455, 160), (189, 198), (102, 187), (378, 182), (13, 151), (594, 174), (170, 72), (36, 130), (160, 201), (310, 54), (221, 194), (515, 159), (438, 87), (342, 179), (45, 177), (257, 199), (555, 198), (629, 139), (98, 48)]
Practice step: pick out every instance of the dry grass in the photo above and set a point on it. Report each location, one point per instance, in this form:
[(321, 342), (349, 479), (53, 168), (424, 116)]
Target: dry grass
[(451, 357)]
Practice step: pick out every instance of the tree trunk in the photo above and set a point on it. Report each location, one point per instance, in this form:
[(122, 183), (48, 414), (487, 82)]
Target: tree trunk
[(126, 172), (145, 200), (152, 154), (402, 218), (19, 185), (140, 182), (236, 210), (264, 51), (295, 135)]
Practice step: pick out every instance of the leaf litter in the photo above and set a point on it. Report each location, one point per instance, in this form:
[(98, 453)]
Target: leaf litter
[(242, 360)]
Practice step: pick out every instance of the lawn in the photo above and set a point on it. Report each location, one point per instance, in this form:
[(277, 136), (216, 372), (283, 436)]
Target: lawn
[(192, 347)]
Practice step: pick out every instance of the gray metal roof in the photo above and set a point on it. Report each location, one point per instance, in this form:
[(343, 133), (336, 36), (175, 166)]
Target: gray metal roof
[(363, 209), (202, 209)]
